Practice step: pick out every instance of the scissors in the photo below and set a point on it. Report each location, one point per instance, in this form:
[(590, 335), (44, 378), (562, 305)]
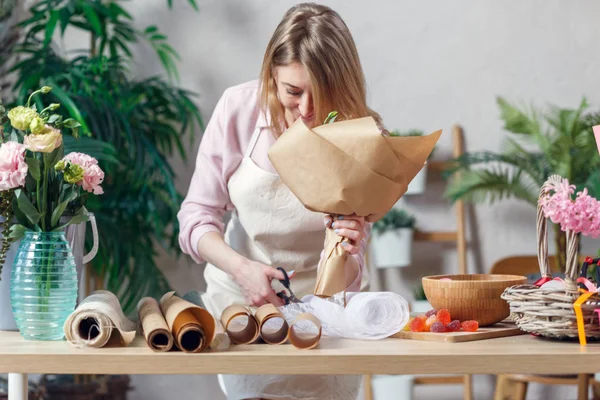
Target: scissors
[(286, 283)]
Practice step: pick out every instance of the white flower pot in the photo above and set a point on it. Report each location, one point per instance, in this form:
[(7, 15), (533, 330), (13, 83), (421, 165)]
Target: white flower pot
[(393, 248), (417, 185), (392, 387), (420, 306)]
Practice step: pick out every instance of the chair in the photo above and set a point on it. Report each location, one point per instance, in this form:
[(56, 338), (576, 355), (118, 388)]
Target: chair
[(514, 386)]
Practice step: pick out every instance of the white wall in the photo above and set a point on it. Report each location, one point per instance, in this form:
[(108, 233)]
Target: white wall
[(429, 64)]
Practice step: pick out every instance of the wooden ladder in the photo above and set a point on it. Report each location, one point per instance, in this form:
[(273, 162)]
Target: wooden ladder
[(459, 237)]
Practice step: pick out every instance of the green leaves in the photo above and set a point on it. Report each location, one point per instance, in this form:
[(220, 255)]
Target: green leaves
[(34, 167), (25, 208), (192, 3), (394, 219), (71, 106), (54, 157), (17, 232), (51, 26), (133, 127), (517, 121), (58, 212), (491, 185), (100, 150), (166, 54), (540, 143), (93, 19)]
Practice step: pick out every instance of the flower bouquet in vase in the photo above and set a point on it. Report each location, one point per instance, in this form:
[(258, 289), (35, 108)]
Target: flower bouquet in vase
[(42, 192)]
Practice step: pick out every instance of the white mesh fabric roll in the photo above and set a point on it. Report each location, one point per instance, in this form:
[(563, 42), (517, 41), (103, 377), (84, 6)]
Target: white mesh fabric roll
[(367, 315)]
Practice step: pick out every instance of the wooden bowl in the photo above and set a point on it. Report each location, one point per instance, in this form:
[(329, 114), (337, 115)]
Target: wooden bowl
[(472, 296)]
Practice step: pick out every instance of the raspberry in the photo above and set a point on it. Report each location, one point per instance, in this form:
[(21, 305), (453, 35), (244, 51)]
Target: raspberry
[(438, 327), (430, 313), (444, 316), (430, 321), (417, 325), (470, 326), (453, 326)]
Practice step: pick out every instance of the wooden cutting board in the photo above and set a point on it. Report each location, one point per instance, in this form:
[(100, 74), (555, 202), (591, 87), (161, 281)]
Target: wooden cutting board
[(500, 329)]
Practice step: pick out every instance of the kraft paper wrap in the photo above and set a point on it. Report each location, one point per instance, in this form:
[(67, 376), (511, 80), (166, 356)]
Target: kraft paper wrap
[(95, 319), (346, 168), (221, 340), (304, 340), (193, 327), (265, 313), (153, 324), (249, 333)]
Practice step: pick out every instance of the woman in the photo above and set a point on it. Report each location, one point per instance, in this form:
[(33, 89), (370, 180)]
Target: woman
[(311, 67)]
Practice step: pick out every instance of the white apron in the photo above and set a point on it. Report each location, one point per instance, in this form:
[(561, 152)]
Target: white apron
[(271, 226)]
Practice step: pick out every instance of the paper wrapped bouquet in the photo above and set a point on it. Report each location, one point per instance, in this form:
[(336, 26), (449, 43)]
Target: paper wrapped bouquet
[(346, 168)]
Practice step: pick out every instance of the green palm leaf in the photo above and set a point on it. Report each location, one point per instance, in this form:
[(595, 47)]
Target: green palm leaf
[(491, 186), (540, 143)]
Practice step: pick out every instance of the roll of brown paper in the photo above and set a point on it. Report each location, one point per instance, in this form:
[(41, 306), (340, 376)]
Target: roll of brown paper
[(154, 327), (94, 321), (188, 332), (301, 338), (240, 324), (221, 341), (272, 325), (192, 326)]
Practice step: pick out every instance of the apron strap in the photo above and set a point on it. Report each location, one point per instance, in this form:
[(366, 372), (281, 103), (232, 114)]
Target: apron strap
[(253, 141)]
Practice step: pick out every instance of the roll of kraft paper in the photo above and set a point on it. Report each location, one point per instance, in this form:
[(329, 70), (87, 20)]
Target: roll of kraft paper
[(305, 332), (240, 324), (93, 322), (221, 341), (154, 326), (192, 326), (272, 325)]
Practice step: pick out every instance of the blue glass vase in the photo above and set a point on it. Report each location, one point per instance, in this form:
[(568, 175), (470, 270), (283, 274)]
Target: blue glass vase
[(43, 287)]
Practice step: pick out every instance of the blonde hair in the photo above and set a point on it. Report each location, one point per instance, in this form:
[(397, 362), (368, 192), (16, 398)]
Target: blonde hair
[(316, 37)]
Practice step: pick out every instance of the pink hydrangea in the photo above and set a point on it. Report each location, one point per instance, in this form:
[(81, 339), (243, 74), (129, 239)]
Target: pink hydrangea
[(13, 168), (93, 176), (580, 214)]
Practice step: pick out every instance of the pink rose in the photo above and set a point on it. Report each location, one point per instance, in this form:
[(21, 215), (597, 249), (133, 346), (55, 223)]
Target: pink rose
[(13, 168), (46, 142), (93, 176)]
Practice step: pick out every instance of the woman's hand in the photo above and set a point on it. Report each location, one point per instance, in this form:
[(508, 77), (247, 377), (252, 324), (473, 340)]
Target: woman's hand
[(350, 227), (254, 280)]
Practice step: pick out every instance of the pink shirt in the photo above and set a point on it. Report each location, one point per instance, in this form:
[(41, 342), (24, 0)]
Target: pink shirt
[(225, 140)]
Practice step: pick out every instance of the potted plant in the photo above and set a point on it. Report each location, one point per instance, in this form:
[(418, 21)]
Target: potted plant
[(391, 245), (420, 303), (150, 120), (540, 143), (39, 187), (417, 185)]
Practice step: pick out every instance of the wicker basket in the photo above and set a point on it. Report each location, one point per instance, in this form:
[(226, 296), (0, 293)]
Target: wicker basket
[(546, 311)]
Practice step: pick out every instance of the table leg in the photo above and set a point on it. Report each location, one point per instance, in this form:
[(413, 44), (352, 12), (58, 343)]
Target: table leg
[(18, 387)]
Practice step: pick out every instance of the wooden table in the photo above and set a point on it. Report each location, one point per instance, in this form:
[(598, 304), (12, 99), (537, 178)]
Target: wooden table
[(517, 354)]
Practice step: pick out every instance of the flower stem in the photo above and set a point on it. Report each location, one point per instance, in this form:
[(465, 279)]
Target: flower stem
[(45, 193), (31, 96)]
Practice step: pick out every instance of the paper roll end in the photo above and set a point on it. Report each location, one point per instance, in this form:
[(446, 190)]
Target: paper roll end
[(305, 340)]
